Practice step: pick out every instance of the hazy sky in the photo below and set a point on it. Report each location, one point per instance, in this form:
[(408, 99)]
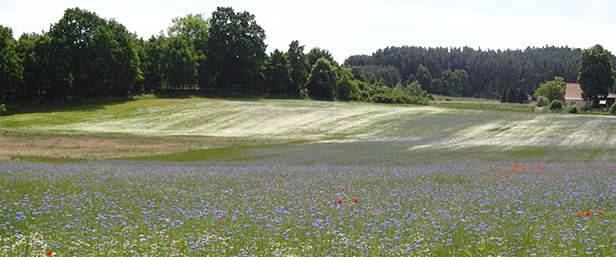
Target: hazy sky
[(346, 27)]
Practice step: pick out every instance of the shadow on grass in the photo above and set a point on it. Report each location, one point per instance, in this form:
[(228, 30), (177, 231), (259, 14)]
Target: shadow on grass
[(91, 105)]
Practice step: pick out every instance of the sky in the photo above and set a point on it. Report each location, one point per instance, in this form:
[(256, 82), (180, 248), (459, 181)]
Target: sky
[(350, 27)]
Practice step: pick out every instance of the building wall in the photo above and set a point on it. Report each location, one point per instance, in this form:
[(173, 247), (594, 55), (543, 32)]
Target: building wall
[(579, 103)]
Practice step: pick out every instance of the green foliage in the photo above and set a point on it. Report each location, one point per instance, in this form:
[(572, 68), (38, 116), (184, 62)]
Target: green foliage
[(612, 110), (595, 74), (389, 74), (542, 101), (414, 89), (357, 74), (317, 53), (423, 76), (299, 65), (155, 65), (180, 62), (2, 109), (489, 71), (11, 69), (346, 89), (573, 109), (552, 90), (193, 26), (93, 56), (235, 49), (556, 105), (278, 75), (322, 80)]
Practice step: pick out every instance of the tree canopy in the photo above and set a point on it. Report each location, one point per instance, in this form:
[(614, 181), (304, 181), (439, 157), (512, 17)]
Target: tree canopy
[(11, 69), (84, 56), (552, 90), (235, 48), (596, 74), (489, 71)]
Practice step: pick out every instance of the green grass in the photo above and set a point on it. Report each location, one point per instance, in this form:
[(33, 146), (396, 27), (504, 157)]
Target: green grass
[(489, 106), (208, 128), (427, 179)]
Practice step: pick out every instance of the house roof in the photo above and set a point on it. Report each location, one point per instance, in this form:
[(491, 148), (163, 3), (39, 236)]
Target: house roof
[(573, 92)]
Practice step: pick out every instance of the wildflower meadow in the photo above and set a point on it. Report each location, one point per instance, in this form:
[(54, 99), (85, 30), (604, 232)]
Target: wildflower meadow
[(122, 208)]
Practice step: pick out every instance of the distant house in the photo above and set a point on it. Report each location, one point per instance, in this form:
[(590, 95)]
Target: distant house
[(573, 95)]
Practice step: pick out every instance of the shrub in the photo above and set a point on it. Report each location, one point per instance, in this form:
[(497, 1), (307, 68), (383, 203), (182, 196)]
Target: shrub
[(612, 110), (447, 99), (431, 97), (542, 101), (573, 109), (2, 109), (556, 105)]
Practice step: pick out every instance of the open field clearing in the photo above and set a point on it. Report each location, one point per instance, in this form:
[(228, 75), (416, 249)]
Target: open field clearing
[(196, 129), (188, 177), (121, 208)]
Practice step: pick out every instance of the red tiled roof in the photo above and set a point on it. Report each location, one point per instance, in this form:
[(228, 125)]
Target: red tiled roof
[(573, 92)]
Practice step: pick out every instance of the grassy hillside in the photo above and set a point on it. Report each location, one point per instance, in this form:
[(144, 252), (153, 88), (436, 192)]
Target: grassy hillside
[(301, 131)]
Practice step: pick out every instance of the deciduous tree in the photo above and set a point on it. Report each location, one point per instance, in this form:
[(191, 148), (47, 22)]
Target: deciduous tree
[(11, 69), (322, 80), (299, 65), (552, 90), (235, 48), (278, 74), (596, 74)]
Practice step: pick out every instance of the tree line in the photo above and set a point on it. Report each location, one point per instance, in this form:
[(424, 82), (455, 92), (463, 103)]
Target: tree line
[(490, 72), (84, 56)]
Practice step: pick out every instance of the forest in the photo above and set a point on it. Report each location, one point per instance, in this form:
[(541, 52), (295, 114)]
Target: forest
[(490, 72), (84, 56)]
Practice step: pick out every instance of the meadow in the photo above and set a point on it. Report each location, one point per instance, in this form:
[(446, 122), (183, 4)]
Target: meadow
[(254, 177)]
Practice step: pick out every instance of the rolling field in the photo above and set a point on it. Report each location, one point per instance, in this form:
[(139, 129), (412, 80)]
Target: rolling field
[(273, 130), (215, 177)]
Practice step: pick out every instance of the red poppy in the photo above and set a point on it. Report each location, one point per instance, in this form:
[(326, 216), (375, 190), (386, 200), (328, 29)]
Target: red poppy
[(600, 212), (222, 221), (49, 253), (335, 202), (343, 189), (340, 201), (579, 213), (587, 213), (181, 193), (355, 200), (177, 249)]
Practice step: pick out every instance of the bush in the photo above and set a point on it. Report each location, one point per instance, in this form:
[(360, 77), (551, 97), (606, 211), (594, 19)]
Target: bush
[(612, 110), (573, 109), (542, 101), (2, 109), (556, 105)]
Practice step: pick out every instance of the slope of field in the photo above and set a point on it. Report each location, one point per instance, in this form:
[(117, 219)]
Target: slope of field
[(341, 127)]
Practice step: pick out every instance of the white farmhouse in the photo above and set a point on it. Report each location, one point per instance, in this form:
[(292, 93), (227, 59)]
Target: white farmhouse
[(573, 95)]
